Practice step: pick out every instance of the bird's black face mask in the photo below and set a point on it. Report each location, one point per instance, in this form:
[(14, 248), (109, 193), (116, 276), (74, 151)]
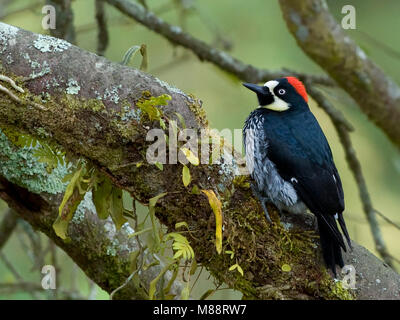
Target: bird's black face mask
[(263, 94)]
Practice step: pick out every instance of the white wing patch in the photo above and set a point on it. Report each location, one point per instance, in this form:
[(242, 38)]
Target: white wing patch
[(278, 104)]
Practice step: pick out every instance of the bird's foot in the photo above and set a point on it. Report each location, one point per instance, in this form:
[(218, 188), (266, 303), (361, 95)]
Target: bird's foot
[(263, 201), (264, 206)]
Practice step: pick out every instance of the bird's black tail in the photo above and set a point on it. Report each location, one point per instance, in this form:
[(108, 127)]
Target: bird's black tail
[(332, 240)]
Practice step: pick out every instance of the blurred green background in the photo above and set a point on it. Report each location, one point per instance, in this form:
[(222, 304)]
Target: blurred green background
[(257, 35)]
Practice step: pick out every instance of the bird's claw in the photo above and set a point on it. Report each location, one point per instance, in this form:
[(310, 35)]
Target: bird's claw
[(264, 206), (262, 201)]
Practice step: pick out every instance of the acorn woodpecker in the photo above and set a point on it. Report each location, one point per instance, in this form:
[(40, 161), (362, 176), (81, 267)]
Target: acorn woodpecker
[(291, 162)]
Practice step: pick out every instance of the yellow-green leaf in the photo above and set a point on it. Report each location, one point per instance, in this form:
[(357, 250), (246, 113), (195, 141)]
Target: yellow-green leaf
[(239, 268), (117, 208), (174, 128), (231, 253), (181, 120), (185, 292), (181, 224), (177, 237), (217, 209), (133, 260), (162, 124), (70, 189), (129, 54), (233, 267), (181, 246), (207, 294), (60, 227), (192, 158), (186, 178), (286, 268), (145, 62), (153, 283), (72, 198), (138, 233), (152, 212), (149, 106), (102, 197), (159, 166), (193, 267), (195, 190), (139, 164), (154, 200), (177, 254), (67, 214), (171, 281)]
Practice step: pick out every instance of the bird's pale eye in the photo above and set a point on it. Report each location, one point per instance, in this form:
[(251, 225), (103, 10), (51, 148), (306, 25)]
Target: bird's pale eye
[(281, 91)]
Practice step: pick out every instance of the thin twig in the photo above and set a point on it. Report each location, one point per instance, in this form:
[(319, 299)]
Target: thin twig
[(102, 33), (335, 114), (7, 226), (124, 284), (13, 96), (394, 224), (9, 266), (11, 82), (381, 45), (35, 252), (15, 273), (205, 52), (170, 65)]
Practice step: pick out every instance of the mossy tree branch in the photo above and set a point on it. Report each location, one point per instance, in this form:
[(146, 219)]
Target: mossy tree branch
[(90, 108)]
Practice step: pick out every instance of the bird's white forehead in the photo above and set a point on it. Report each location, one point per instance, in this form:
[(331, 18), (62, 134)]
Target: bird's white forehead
[(271, 85)]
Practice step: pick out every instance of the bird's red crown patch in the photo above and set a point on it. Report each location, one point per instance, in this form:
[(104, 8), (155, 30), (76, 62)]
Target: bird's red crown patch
[(298, 86)]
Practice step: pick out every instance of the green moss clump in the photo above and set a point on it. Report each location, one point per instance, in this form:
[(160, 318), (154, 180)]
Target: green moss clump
[(242, 181), (199, 112)]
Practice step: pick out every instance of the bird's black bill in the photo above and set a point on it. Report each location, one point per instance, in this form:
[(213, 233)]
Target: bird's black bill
[(256, 88), (263, 94)]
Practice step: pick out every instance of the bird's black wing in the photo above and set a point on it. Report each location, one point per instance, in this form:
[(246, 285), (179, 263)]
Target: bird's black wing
[(301, 154), (299, 149)]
